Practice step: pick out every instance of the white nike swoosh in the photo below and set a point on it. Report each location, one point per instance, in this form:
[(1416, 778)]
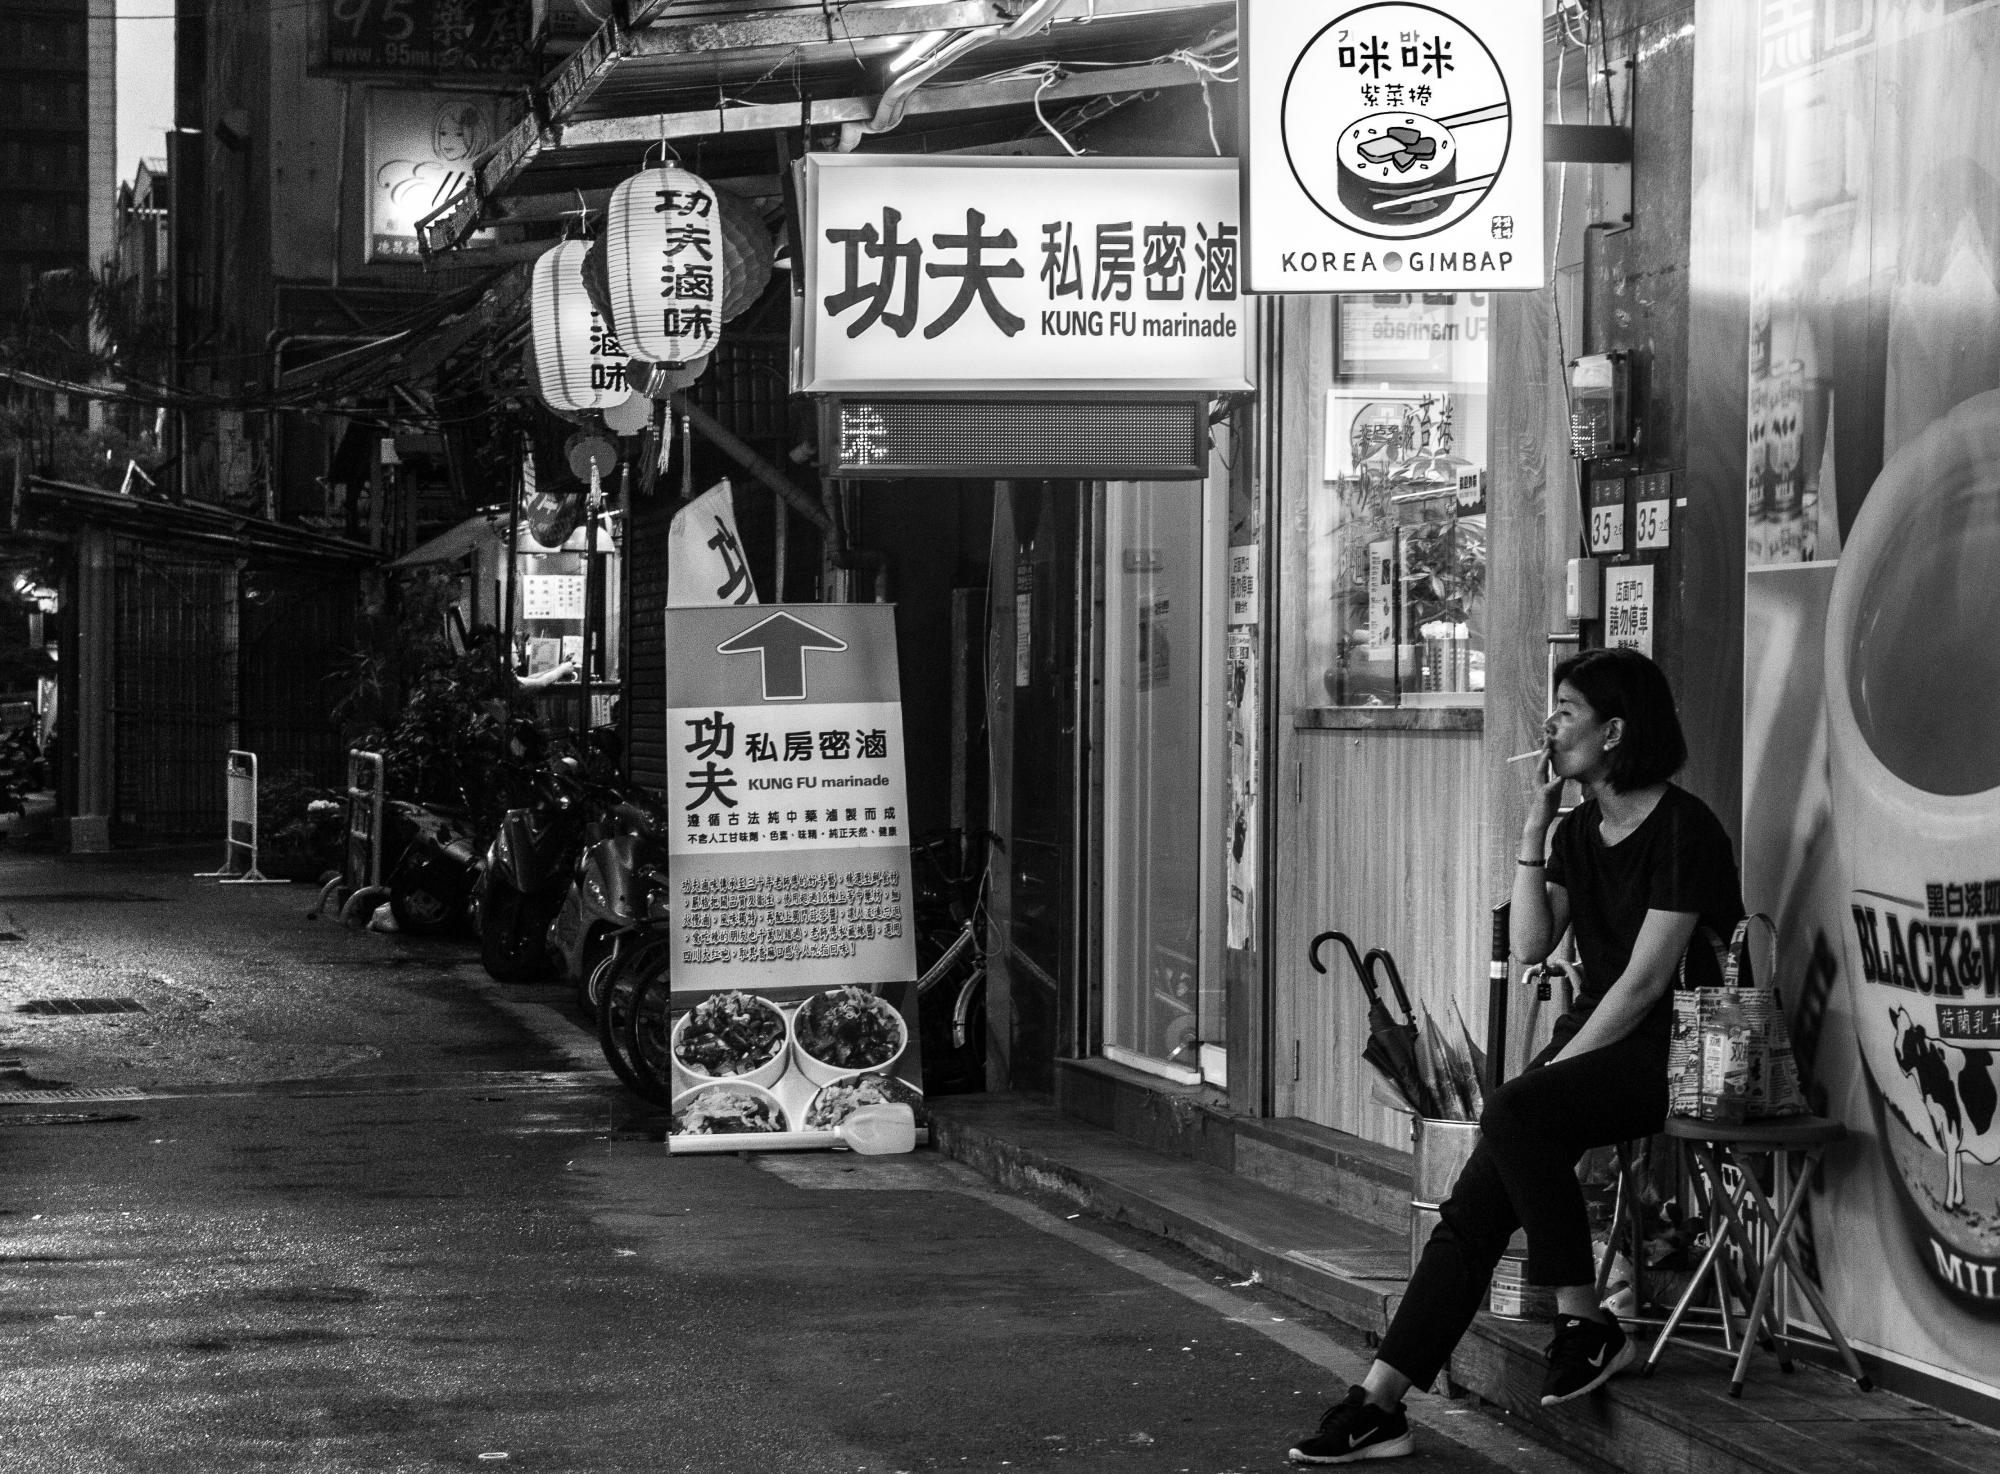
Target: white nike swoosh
[(1597, 1360)]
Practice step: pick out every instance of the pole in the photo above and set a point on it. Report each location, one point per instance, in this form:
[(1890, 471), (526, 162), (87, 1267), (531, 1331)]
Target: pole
[(518, 483), (591, 502)]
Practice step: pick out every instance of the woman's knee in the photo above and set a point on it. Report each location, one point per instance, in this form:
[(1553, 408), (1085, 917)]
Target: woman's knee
[(1510, 1113)]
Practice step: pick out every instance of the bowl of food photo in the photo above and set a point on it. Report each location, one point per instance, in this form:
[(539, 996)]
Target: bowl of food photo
[(730, 1036), (727, 1108), (836, 1102), (846, 1031)]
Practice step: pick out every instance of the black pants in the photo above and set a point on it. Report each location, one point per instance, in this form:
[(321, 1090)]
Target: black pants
[(1523, 1174)]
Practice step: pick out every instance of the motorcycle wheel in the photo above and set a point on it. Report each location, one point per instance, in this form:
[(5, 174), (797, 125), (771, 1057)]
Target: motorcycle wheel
[(600, 961), (616, 1017), (513, 935), (420, 905)]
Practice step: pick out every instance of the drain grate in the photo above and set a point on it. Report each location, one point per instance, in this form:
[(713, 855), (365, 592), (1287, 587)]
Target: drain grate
[(65, 1118), (45, 1097), (77, 898), (80, 1005)]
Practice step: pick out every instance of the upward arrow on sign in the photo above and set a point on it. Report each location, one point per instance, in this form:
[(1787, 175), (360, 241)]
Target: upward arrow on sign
[(782, 641)]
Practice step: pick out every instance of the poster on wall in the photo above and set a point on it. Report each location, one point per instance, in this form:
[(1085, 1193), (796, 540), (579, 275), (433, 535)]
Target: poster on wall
[(1393, 146), (1872, 645), (793, 933), (421, 151)]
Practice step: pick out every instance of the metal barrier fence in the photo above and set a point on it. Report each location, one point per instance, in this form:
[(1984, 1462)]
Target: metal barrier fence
[(364, 819), (241, 836)]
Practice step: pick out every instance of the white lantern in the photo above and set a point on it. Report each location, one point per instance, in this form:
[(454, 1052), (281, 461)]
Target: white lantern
[(663, 253), (579, 363)]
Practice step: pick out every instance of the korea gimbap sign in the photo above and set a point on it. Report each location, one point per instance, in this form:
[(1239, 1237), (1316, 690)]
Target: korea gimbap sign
[(792, 930), (1392, 146), (927, 273)]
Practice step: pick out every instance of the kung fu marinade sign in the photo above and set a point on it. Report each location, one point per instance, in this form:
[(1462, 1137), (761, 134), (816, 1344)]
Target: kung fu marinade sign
[(927, 274), (792, 932)]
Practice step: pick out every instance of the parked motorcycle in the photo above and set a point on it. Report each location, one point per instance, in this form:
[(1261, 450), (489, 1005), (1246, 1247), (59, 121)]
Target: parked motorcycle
[(529, 868), (620, 887), (438, 861)]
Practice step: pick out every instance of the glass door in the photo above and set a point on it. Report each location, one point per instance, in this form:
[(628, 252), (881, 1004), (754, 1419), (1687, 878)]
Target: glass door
[(1163, 857)]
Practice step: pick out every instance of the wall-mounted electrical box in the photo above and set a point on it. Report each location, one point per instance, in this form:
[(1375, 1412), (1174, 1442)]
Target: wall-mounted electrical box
[(1600, 405)]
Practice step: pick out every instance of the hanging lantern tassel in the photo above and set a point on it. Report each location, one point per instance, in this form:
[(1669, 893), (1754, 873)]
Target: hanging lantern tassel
[(664, 259), (578, 363)]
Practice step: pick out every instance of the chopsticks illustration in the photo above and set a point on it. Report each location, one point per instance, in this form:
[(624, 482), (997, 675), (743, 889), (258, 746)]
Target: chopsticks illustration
[(1493, 112)]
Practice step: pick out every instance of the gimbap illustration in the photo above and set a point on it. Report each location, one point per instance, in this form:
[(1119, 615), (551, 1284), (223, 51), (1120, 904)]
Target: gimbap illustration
[(1385, 158), (1396, 123)]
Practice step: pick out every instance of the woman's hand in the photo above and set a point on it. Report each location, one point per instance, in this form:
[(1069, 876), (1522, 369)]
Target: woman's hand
[(1545, 802)]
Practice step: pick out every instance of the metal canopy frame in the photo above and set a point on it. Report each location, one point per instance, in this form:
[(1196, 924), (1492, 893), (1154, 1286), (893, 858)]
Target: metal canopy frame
[(681, 73)]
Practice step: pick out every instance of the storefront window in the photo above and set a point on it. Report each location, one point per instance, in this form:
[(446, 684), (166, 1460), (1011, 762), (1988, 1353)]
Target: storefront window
[(1163, 979), (1396, 541)]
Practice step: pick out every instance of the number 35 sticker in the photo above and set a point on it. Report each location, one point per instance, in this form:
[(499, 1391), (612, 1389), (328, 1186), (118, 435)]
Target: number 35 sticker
[(1653, 496)]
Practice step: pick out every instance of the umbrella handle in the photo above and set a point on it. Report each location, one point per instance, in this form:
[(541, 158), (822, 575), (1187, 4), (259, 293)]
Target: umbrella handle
[(1353, 955), (1395, 980)]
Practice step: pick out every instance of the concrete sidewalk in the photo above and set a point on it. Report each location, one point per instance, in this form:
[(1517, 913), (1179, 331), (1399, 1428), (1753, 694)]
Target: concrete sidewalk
[(1681, 1420)]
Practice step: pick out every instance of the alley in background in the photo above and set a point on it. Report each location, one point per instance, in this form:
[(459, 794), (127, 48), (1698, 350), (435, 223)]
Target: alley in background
[(327, 1200)]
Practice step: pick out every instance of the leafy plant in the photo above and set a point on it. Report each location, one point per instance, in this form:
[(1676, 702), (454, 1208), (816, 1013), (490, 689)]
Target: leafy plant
[(440, 716)]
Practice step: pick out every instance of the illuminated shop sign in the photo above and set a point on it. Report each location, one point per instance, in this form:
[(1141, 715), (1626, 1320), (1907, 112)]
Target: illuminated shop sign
[(421, 147), (972, 273), (1393, 147)]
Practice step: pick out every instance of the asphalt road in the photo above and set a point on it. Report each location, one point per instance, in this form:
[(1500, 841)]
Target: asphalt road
[(332, 1202)]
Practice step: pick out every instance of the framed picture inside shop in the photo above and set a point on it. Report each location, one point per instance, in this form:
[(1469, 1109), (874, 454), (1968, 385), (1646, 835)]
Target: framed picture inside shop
[(1398, 551)]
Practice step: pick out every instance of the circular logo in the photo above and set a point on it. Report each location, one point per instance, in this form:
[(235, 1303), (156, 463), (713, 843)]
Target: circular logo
[(1396, 121)]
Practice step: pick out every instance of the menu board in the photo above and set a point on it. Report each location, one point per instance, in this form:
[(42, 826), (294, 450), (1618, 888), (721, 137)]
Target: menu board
[(792, 926)]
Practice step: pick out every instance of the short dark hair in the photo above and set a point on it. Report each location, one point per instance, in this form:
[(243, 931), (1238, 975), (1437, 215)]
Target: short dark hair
[(1624, 683)]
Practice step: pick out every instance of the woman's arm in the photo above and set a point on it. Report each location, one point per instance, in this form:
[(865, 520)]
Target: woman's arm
[(1538, 913), (1656, 956)]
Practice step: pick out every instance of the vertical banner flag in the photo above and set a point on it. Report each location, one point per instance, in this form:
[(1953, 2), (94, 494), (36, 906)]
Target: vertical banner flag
[(793, 933), (705, 562)]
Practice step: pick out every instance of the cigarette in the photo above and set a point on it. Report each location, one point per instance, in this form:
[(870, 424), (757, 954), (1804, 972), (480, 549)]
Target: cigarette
[(1522, 757)]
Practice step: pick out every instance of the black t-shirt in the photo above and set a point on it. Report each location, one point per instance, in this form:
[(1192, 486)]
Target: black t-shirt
[(1678, 859)]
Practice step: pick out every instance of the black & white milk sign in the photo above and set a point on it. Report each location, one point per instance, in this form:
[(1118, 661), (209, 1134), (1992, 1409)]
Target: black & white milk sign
[(1392, 146)]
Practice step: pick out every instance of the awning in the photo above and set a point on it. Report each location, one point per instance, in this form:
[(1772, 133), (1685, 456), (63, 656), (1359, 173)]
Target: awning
[(488, 529), (670, 75)]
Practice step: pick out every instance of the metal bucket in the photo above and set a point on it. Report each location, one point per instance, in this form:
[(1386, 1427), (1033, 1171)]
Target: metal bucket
[(1440, 1150)]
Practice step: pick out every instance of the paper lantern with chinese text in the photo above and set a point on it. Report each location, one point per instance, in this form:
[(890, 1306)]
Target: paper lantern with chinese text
[(663, 254), (578, 362)]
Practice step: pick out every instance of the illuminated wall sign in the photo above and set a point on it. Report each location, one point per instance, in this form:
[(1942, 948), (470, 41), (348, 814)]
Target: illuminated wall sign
[(425, 38), (1392, 146), (926, 274), (420, 151)]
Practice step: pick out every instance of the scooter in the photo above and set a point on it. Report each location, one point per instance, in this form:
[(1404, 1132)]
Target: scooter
[(529, 866), (439, 862), (620, 889)]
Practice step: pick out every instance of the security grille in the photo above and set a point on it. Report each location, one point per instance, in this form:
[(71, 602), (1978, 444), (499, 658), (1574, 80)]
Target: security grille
[(1103, 439)]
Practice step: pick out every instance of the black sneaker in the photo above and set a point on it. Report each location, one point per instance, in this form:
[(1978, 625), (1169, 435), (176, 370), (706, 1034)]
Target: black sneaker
[(1584, 1355), (1355, 1429)]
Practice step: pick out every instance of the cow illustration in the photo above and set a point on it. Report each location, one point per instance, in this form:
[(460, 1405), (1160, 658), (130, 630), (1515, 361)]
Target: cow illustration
[(1960, 1096)]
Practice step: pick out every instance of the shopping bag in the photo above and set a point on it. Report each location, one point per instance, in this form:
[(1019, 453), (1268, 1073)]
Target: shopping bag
[(1731, 1057)]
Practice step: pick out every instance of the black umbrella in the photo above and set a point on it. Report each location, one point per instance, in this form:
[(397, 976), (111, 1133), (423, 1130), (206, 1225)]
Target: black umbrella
[(1391, 1047), (1401, 1041)]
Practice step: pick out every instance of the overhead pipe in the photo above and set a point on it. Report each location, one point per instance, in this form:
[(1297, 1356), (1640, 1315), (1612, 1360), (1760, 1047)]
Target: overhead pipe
[(895, 99)]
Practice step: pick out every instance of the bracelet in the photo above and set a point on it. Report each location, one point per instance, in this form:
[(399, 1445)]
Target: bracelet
[(1532, 864)]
